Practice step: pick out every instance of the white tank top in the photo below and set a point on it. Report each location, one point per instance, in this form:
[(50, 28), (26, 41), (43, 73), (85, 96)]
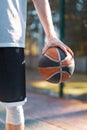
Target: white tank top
[(12, 23)]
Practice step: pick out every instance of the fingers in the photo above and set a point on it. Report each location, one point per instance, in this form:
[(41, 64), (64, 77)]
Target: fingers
[(49, 45), (61, 45), (69, 50)]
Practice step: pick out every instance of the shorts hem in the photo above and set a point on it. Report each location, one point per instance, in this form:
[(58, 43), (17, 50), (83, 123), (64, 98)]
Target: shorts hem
[(12, 104)]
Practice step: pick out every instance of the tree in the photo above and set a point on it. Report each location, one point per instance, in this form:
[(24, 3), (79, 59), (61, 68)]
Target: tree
[(76, 22)]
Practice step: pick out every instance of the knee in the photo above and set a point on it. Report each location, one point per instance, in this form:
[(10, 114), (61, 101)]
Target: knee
[(14, 115)]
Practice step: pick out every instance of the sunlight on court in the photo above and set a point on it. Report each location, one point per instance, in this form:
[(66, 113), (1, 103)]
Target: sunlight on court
[(76, 88)]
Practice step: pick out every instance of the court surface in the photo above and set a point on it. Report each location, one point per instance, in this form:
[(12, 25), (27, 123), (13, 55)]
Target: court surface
[(43, 112)]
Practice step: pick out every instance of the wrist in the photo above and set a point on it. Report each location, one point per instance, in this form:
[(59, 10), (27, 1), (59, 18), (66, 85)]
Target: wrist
[(54, 39), (52, 36)]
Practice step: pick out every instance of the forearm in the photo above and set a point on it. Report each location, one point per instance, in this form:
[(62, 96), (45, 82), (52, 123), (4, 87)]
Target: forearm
[(44, 13)]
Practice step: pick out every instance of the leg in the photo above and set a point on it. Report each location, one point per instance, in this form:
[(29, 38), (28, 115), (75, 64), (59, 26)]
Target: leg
[(14, 118), (12, 86), (14, 127)]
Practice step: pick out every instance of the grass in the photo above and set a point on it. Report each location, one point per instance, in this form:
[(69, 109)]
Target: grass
[(77, 85)]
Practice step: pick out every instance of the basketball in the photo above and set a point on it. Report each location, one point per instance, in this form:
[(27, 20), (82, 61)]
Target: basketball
[(55, 66)]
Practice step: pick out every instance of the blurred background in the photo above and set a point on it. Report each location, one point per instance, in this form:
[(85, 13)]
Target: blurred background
[(70, 21), (43, 111)]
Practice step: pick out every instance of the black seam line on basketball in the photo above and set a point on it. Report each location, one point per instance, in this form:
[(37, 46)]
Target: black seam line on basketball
[(51, 58), (63, 69), (66, 73), (52, 75)]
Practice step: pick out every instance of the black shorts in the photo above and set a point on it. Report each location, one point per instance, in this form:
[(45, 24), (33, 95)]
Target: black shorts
[(12, 75)]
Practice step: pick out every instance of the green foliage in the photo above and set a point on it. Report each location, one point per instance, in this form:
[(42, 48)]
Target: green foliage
[(75, 23)]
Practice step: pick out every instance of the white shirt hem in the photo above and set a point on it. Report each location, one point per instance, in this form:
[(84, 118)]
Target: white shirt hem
[(12, 45)]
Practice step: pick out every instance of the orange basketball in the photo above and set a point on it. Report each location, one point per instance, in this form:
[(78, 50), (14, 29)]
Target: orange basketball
[(55, 66)]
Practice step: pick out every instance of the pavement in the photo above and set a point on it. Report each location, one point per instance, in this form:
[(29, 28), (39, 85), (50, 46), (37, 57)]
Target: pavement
[(44, 112)]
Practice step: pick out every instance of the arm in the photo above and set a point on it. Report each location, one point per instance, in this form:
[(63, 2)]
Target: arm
[(44, 13)]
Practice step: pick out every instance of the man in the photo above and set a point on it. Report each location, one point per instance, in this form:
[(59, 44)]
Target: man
[(12, 63)]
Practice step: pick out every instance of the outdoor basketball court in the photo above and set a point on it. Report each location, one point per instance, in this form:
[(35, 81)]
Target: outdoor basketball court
[(43, 112)]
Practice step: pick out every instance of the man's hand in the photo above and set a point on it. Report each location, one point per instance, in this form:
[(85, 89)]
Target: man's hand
[(57, 43), (44, 13)]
